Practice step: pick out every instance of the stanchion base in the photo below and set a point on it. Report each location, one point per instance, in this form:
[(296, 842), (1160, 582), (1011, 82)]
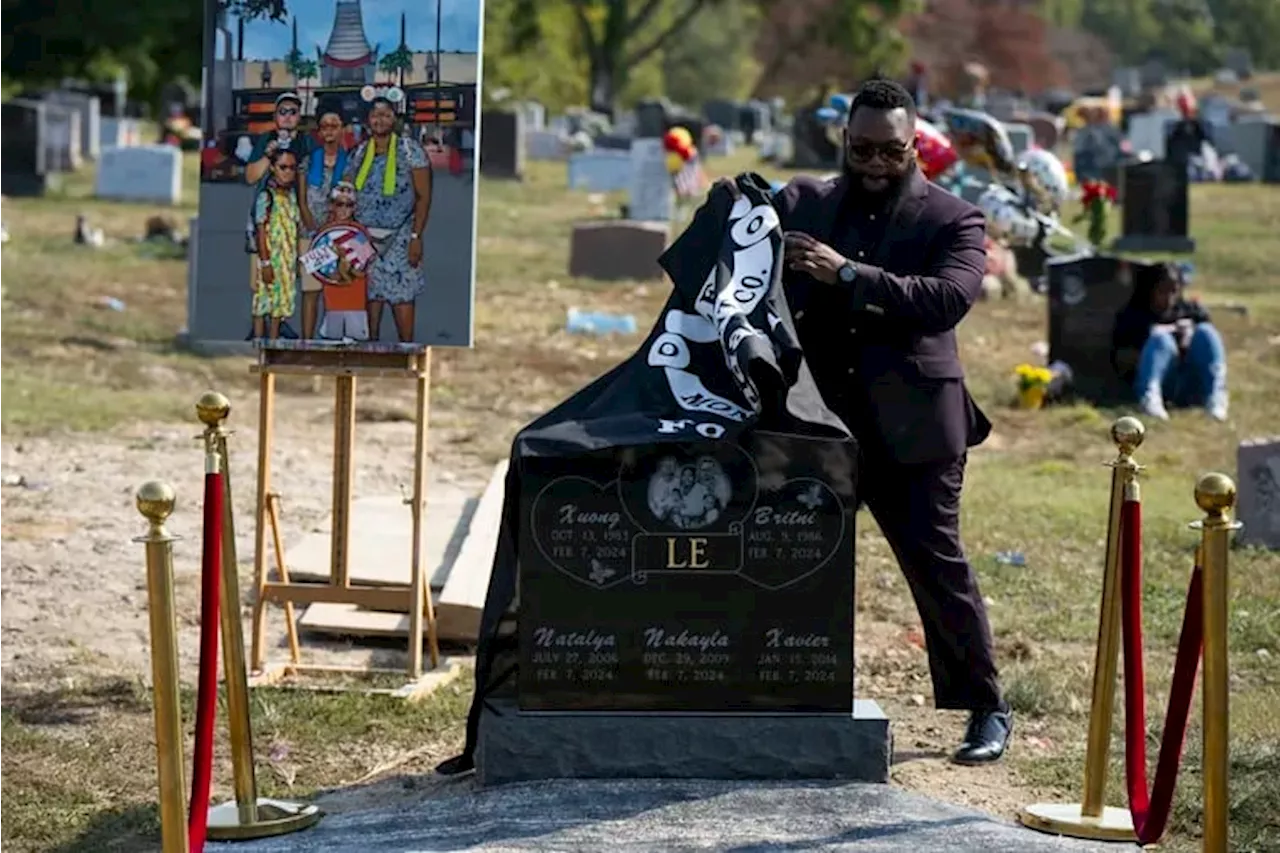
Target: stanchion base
[(275, 817), (1114, 824)]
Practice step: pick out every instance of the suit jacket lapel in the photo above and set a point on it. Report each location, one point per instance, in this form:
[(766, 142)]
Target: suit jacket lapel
[(905, 213)]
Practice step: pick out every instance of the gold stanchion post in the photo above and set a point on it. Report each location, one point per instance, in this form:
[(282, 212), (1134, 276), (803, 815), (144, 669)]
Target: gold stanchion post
[(248, 815), (156, 501), (1091, 818), (1216, 496)]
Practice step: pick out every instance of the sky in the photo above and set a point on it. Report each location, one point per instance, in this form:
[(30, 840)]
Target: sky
[(459, 29)]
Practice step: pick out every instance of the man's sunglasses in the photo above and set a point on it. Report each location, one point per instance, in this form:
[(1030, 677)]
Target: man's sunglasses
[(892, 152), (287, 111)]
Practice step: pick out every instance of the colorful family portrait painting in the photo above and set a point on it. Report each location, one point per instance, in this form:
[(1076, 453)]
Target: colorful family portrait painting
[(339, 150)]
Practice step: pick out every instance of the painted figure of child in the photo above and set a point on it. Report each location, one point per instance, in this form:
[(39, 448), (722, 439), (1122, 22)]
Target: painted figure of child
[(346, 303), (275, 213)]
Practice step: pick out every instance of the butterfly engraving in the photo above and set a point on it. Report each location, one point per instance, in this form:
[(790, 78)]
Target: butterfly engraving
[(812, 497)]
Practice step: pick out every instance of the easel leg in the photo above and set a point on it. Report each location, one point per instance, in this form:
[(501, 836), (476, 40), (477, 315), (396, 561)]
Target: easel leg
[(344, 427), (291, 623), (421, 592), (266, 418)]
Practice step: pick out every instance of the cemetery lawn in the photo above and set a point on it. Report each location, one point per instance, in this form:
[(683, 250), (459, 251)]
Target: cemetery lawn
[(78, 766)]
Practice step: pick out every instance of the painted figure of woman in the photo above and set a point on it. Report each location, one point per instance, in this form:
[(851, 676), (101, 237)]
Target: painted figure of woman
[(320, 170), (392, 177), (275, 215)]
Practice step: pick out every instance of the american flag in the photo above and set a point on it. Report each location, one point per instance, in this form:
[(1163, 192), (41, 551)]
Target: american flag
[(691, 181)]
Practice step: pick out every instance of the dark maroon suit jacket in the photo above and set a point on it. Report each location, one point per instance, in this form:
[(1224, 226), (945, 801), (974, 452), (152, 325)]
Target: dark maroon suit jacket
[(898, 333)]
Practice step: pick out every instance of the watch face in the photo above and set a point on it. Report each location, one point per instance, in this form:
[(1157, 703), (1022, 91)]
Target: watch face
[(847, 273)]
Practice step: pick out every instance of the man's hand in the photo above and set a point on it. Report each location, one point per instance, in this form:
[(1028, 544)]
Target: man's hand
[(807, 255)]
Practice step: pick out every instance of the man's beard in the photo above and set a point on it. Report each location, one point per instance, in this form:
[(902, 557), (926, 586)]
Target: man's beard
[(893, 184)]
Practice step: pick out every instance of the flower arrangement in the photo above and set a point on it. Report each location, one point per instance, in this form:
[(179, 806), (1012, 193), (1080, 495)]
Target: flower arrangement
[(1033, 382), (1096, 197)]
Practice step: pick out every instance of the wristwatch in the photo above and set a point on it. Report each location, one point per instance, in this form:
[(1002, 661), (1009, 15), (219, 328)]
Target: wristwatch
[(413, 237), (847, 273), (262, 265)]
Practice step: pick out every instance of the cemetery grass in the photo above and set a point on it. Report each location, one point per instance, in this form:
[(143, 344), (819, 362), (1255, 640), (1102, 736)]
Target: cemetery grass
[(1037, 486)]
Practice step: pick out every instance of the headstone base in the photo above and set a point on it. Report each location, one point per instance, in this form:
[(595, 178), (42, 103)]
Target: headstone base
[(521, 747), (1154, 243)]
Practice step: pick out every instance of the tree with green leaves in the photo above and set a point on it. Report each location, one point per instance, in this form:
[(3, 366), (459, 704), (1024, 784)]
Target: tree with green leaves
[(396, 63)]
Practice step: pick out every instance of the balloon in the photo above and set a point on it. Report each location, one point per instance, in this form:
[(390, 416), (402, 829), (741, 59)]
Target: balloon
[(840, 103), (688, 152), (981, 141), (827, 115), (1007, 219), (674, 162), (1045, 179), (934, 150), (675, 138)]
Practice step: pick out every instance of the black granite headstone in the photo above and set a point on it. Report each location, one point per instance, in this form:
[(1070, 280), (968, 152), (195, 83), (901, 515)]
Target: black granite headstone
[(713, 577), (1155, 208), (727, 114), (23, 147), (502, 144), (651, 119), (1085, 295)]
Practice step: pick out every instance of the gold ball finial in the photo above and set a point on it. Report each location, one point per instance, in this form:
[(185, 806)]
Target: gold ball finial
[(1215, 494), (212, 408), (1127, 433), (155, 500)]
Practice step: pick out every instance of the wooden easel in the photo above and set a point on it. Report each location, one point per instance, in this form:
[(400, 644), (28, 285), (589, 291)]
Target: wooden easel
[(345, 363)]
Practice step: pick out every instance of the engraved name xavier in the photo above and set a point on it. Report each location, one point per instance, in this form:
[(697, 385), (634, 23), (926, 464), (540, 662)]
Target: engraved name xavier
[(660, 638), (776, 638)]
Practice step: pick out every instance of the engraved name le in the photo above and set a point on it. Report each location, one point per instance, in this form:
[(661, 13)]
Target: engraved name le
[(692, 557), (570, 514)]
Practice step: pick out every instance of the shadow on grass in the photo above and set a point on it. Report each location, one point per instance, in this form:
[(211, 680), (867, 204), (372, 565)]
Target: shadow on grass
[(128, 829), (61, 707)]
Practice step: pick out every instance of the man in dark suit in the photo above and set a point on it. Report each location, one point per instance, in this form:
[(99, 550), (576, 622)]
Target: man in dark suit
[(882, 265)]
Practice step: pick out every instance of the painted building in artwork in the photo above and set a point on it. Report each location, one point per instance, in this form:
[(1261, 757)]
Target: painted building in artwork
[(348, 59)]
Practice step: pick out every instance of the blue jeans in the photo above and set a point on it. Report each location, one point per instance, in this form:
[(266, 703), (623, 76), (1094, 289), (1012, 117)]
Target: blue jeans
[(1188, 380)]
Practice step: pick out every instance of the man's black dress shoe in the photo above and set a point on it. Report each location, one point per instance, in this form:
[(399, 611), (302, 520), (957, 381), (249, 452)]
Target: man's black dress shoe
[(456, 766), (986, 737)]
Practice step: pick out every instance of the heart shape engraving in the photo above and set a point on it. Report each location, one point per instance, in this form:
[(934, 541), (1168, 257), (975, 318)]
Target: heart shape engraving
[(580, 529), (792, 532)]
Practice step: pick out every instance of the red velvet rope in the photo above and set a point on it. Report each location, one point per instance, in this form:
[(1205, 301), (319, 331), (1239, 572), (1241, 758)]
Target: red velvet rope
[(1151, 812), (207, 699)]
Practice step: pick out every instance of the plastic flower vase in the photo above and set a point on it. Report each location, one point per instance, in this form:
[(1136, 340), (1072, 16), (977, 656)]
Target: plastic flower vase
[(1031, 397)]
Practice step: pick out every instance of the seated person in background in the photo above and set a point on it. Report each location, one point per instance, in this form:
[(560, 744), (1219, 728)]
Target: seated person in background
[(1165, 347)]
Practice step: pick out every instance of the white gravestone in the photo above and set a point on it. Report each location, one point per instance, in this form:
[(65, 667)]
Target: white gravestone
[(652, 196), (118, 132), (89, 109), (1258, 476), (61, 137), (545, 145), (600, 170), (146, 173), (1147, 131)]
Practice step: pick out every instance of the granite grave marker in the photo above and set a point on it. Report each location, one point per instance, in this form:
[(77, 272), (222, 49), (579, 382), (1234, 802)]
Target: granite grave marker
[(711, 577), (1155, 208), (23, 155), (502, 146), (1258, 479), (651, 195)]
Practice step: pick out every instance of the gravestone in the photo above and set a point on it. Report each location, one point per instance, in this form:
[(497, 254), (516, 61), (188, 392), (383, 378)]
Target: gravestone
[(144, 173), (611, 250), (1086, 292), (1239, 60), (89, 109), (652, 197), (118, 132), (1148, 131), (651, 119), (616, 141), (61, 138), (1258, 479), (599, 171), (1022, 136), (1257, 144), (686, 611), (535, 115), (22, 148), (727, 114), (502, 144), (545, 145), (1154, 210)]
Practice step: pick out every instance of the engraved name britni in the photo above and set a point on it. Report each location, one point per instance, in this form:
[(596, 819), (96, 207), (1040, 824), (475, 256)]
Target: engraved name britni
[(786, 518)]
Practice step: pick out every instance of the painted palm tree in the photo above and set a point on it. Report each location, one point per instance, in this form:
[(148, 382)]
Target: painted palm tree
[(396, 63), (306, 69), (293, 61)]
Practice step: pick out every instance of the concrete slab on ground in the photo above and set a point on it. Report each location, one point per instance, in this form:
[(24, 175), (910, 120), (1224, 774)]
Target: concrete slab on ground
[(668, 816)]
